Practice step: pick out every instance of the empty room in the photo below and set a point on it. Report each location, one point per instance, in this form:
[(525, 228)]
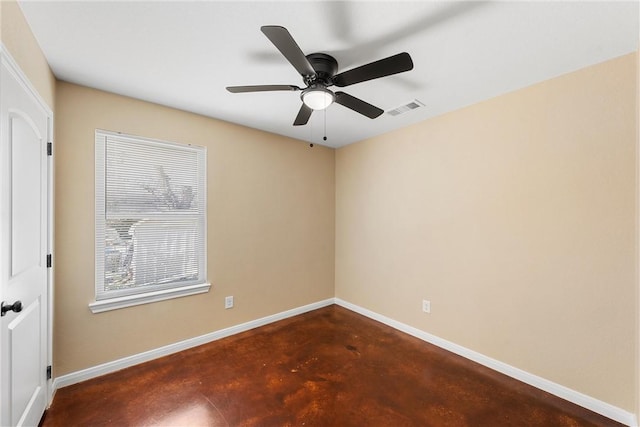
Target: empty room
[(319, 213)]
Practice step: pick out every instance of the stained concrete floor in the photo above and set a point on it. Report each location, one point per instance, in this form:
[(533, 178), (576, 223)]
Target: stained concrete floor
[(328, 367)]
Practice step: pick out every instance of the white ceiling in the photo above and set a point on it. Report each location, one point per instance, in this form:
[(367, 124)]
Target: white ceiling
[(183, 54)]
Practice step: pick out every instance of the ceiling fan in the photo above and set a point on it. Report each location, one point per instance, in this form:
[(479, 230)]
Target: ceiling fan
[(318, 71)]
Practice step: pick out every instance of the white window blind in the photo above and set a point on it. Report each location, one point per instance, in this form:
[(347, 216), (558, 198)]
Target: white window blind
[(150, 215)]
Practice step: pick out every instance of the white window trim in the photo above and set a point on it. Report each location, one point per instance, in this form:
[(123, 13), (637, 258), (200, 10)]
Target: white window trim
[(148, 297), (108, 304)]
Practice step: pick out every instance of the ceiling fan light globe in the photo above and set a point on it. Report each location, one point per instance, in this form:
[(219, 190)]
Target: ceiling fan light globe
[(318, 98)]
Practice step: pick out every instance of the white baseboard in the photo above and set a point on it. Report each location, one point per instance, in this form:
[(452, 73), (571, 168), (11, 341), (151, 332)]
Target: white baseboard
[(563, 392), (116, 365), (588, 402)]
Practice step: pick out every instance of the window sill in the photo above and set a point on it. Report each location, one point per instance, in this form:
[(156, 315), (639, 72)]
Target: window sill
[(146, 298)]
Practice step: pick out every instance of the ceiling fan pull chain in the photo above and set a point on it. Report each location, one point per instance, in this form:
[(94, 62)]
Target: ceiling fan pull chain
[(324, 138)]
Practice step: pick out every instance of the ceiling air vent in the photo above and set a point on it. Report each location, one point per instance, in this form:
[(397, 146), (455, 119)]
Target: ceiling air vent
[(406, 107)]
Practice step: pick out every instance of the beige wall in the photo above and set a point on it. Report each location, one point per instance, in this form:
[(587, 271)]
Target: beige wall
[(516, 218), (17, 37), (270, 228)]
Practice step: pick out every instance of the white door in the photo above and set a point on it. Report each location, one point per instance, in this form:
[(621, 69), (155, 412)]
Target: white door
[(24, 131)]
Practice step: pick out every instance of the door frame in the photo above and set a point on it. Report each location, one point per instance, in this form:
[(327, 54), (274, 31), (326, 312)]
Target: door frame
[(10, 63)]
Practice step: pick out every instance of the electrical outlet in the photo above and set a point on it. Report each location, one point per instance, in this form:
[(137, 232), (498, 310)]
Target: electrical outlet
[(228, 302), (426, 306)]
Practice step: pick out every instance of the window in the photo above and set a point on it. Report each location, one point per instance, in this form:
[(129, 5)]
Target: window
[(150, 220)]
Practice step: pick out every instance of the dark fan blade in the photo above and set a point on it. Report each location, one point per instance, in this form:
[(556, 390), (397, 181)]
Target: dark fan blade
[(303, 115), (260, 88), (385, 67), (358, 105), (281, 38)]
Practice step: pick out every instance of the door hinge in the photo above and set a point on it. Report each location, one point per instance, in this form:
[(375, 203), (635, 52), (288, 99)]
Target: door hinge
[(49, 261), (49, 148), (49, 372)]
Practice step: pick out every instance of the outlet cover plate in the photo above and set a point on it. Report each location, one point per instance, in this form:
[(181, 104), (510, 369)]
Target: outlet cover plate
[(228, 302), (426, 306)]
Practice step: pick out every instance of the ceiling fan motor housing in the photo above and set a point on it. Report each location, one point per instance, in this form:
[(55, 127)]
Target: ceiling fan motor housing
[(325, 66)]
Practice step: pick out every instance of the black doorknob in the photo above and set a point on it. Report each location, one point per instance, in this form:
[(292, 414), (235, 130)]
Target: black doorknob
[(16, 306)]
